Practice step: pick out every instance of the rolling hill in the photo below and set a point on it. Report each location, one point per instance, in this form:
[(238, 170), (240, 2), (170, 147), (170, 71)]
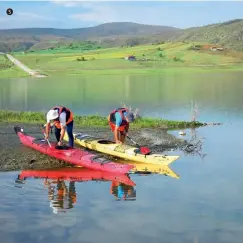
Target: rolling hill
[(228, 34), (117, 33)]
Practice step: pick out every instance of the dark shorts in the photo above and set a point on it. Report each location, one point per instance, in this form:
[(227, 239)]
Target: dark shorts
[(69, 130)]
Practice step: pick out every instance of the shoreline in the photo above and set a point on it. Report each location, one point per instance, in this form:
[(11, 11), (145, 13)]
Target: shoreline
[(22, 67), (151, 71), (96, 121), (12, 73), (14, 156)]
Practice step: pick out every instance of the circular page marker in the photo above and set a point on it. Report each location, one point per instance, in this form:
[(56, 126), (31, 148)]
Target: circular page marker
[(9, 11)]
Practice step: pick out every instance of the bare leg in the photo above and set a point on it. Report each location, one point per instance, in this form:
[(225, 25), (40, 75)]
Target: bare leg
[(122, 137)]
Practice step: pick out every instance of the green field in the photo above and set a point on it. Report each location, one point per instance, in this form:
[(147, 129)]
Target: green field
[(2, 62), (8, 70), (149, 59)]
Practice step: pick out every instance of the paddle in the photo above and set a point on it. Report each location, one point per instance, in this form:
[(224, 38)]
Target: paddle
[(143, 150), (46, 139), (43, 130), (57, 147)]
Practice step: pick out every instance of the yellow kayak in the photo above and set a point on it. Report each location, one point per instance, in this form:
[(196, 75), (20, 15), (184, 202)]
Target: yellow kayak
[(120, 150)]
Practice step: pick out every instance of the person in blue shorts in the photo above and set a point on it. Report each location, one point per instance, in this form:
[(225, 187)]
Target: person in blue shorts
[(119, 120)]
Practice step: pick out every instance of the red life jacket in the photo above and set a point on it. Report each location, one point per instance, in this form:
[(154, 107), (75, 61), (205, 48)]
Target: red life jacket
[(121, 111), (69, 115)]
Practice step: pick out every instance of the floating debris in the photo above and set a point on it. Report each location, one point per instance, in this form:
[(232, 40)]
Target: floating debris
[(182, 133)]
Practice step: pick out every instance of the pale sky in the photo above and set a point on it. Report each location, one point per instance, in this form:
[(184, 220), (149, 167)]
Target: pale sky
[(70, 14)]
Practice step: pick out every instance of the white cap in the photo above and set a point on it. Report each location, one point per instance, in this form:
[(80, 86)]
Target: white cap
[(51, 115)]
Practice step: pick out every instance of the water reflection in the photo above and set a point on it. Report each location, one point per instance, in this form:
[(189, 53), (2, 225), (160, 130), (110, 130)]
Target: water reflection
[(163, 93), (60, 195), (194, 145), (123, 192), (146, 169), (61, 183)]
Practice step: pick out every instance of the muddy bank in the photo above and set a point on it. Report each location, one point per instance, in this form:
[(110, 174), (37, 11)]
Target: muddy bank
[(15, 156)]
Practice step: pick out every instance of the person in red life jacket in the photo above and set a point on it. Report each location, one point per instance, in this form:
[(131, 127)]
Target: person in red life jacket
[(62, 118), (119, 120)]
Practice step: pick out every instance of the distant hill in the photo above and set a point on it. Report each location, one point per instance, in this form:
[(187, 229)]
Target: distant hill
[(228, 34), (38, 38)]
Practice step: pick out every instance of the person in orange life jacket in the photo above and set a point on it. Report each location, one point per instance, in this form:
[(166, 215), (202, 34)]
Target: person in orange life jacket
[(63, 120), (119, 120)]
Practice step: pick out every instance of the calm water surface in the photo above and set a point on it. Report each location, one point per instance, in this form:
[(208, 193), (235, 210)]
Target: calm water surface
[(167, 95), (204, 205)]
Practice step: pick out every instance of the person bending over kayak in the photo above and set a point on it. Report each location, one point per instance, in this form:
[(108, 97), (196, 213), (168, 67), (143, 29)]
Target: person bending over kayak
[(119, 120), (62, 118)]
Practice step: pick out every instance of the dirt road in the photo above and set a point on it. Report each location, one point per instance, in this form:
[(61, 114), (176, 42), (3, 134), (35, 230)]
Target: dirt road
[(23, 67)]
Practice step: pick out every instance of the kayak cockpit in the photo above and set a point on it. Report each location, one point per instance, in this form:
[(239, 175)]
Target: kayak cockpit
[(63, 147), (105, 142)]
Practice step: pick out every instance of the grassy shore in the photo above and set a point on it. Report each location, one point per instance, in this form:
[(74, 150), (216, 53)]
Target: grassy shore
[(94, 121), (8, 70), (165, 57)]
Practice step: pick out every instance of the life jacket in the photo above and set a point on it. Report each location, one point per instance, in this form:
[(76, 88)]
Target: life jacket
[(112, 117), (69, 115)]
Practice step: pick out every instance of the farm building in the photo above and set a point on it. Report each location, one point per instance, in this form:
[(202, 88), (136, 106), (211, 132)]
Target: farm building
[(130, 58)]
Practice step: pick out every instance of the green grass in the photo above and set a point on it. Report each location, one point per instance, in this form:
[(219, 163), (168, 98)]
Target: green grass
[(12, 73), (168, 57), (174, 55), (94, 121), (9, 71), (67, 48)]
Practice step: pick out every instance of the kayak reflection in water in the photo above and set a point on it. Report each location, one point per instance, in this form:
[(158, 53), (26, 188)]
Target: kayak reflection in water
[(123, 192), (61, 197)]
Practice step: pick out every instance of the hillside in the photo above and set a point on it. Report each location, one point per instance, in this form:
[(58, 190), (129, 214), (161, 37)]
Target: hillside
[(110, 34), (228, 34), (139, 59)]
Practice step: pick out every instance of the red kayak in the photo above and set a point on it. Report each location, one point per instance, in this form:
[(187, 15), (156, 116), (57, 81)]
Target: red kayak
[(77, 174), (72, 155)]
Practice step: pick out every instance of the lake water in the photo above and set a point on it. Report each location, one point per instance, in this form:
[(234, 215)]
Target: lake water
[(168, 95), (204, 205)]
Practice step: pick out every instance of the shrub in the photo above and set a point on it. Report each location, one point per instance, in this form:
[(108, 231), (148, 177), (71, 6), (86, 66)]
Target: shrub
[(81, 59), (176, 59)]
